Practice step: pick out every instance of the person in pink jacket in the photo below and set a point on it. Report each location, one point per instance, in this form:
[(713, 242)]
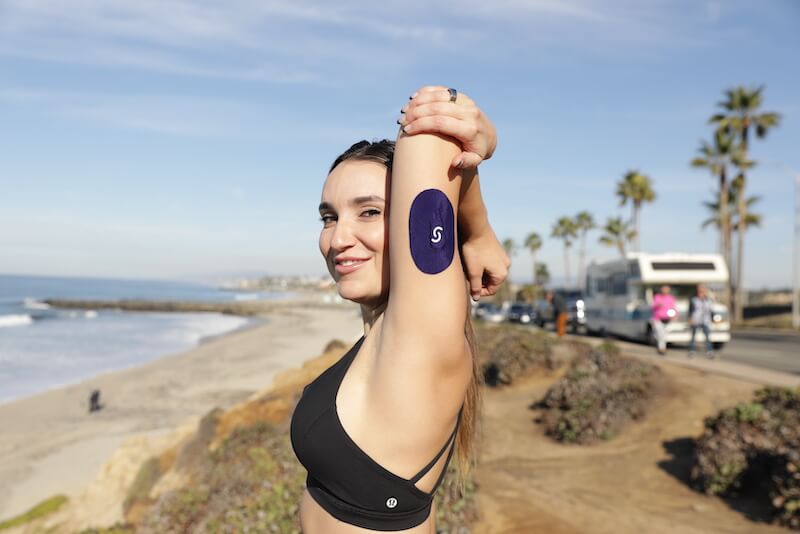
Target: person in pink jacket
[(664, 310)]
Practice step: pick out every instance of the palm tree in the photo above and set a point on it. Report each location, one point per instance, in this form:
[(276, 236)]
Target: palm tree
[(566, 230), (542, 276), (740, 114), (585, 222), (509, 246), (718, 158), (616, 233), (637, 188), (751, 219), (533, 243)]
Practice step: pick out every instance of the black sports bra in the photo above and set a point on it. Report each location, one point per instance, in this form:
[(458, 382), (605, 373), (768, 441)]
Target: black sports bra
[(342, 478)]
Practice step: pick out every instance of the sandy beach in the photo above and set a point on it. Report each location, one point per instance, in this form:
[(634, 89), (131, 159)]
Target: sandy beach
[(51, 444)]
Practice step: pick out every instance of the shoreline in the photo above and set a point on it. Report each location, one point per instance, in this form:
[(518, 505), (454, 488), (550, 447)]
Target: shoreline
[(248, 321), (51, 444)]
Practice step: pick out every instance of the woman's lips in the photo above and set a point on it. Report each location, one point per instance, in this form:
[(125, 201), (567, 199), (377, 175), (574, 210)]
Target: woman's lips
[(349, 266)]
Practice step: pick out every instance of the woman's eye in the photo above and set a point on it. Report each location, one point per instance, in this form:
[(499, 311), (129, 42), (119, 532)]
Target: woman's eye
[(326, 219), (370, 213)]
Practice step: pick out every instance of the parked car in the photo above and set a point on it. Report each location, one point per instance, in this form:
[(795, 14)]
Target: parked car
[(521, 312), (489, 312), (576, 309)]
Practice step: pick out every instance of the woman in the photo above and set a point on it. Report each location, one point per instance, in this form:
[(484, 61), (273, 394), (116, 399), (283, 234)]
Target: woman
[(664, 310), (377, 429)]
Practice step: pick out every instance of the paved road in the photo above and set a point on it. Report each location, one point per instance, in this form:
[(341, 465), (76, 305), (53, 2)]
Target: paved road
[(772, 350)]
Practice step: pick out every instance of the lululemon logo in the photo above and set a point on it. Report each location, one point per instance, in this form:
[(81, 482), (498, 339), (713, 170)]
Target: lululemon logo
[(391, 502), (437, 234)]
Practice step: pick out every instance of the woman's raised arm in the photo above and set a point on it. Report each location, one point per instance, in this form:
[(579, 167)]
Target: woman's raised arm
[(427, 303)]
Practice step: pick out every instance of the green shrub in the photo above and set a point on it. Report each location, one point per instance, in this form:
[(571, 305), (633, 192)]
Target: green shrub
[(599, 393), (753, 450), (44, 508), (146, 478)]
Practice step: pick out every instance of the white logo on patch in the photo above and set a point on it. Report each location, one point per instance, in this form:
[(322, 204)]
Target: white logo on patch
[(437, 234), (391, 502)]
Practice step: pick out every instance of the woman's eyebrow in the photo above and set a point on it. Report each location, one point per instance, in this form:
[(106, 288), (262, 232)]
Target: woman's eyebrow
[(366, 199), (356, 201)]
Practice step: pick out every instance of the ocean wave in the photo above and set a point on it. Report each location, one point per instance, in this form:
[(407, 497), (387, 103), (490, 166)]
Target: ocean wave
[(15, 320)]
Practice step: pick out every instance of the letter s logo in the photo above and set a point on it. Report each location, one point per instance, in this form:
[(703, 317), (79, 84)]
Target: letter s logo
[(437, 234)]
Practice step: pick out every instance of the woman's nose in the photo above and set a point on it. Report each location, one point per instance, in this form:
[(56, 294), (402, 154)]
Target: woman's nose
[(343, 235)]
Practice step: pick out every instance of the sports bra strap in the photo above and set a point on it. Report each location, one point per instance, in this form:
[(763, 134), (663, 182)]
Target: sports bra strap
[(416, 478)]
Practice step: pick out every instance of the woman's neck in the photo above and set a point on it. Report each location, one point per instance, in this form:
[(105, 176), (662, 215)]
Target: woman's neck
[(371, 314)]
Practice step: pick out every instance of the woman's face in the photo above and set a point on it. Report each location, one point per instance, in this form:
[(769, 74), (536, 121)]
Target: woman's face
[(354, 233)]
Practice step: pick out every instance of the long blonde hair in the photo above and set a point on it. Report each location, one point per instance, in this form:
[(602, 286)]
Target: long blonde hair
[(469, 427)]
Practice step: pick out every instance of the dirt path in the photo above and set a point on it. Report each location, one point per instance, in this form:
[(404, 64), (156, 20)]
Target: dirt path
[(633, 483)]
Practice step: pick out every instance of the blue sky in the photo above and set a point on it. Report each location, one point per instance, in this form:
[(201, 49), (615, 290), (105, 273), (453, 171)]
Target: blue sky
[(191, 138)]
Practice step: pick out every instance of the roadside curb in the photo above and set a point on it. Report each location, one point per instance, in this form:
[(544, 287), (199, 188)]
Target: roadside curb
[(716, 366), (757, 330)]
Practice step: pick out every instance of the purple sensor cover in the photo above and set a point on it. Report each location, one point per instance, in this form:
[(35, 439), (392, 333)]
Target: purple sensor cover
[(431, 231)]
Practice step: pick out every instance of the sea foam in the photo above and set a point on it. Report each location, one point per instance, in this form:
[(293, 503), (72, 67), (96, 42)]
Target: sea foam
[(15, 320)]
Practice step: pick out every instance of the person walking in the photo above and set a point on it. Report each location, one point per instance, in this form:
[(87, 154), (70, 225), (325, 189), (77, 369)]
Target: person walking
[(559, 312), (700, 310), (664, 310)]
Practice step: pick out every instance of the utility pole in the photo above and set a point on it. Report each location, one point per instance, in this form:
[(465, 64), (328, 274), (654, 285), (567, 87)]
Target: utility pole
[(796, 270)]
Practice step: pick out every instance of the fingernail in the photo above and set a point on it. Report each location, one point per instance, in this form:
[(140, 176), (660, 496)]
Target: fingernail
[(398, 121), (459, 163), (404, 108), (407, 128), (414, 95)]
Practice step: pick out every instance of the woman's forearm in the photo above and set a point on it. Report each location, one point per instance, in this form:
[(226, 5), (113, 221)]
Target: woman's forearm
[(473, 219)]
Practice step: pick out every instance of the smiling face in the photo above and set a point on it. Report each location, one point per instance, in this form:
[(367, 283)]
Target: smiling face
[(354, 233)]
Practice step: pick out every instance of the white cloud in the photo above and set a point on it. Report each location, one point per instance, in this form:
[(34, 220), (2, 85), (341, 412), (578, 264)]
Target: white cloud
[(281, 41)]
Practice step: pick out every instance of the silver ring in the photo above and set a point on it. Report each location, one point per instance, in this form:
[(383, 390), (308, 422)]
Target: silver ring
[(453, 94)]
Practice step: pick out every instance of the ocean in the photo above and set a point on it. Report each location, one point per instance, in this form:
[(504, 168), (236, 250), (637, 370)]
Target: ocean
[(42, 348)]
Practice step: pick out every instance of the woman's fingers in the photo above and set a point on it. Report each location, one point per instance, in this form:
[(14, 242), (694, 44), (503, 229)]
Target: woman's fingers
[(444, 125), (412, 113), (467, 160), (475, 286), (438, 93)]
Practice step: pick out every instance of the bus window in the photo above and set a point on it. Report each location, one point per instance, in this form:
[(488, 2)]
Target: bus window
[(619, 285), (633, 269), (602, 286)]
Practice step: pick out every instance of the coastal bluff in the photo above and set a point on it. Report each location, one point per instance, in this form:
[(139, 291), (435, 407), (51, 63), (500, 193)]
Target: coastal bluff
[(143, 469)]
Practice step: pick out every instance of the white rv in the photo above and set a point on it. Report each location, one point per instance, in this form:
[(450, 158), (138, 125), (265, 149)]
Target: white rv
[(619, 295)]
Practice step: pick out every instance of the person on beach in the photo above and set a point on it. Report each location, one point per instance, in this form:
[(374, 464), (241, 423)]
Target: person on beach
[(664, 310), (405, 234), (700, 312)]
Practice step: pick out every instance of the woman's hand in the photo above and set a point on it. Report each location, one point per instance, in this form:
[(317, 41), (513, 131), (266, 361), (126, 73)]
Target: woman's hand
[(486, 264), (430, 111)]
